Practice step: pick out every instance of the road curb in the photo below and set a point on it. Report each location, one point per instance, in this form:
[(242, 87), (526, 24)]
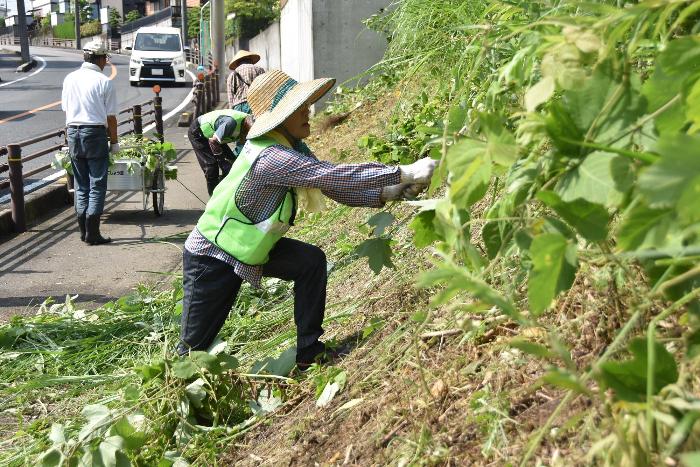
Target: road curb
[(25, 67), (37, 205)]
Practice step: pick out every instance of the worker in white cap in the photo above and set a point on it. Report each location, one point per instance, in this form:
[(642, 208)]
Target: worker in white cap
[(90, 103)]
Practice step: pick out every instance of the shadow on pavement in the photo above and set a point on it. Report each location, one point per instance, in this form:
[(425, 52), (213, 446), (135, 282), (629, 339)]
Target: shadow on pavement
[(36, 243)]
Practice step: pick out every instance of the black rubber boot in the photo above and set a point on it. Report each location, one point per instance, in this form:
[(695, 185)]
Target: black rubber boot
[(211, 184), (92, 235), (81, 224)]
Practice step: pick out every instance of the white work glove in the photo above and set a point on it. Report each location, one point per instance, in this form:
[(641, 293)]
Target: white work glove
[(419, 172), (114, 148), (413, 190), (400, 191)]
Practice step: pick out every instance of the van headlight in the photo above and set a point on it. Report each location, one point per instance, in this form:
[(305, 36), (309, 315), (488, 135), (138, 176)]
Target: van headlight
[(178, 62), (135, 61)]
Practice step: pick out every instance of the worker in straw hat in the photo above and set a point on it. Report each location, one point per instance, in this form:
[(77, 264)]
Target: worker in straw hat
[(243, 72), (240, 236)]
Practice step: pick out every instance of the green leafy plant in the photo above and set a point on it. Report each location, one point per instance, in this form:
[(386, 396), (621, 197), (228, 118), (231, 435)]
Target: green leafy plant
[(137, 151), (567, 138), (131, 15)]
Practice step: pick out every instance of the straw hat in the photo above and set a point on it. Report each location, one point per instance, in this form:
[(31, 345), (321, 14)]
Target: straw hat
[(274, 96), (240, 55)]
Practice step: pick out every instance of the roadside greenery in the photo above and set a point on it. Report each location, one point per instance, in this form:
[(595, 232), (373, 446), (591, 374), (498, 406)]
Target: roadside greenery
[(140, 403), (114, 20), (131, 15), (64, 30), (251, 16), (91, 28), (568, 148), (563, 236)]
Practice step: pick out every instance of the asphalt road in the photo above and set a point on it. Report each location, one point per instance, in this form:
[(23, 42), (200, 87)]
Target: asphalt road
[(30, 103)]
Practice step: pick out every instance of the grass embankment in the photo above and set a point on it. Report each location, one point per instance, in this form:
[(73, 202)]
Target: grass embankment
[(555, 321)]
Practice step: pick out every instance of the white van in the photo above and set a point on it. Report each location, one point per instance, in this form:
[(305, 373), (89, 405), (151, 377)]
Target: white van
[(157, 55)]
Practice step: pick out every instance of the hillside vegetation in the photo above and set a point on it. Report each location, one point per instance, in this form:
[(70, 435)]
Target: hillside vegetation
[(537, 306)]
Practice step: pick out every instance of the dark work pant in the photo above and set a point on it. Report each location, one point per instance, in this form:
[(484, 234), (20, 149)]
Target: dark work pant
[(210, 288), (214, 167), (90, 159)]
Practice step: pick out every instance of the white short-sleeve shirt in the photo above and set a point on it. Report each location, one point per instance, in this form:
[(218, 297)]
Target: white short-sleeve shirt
[(88, 96)]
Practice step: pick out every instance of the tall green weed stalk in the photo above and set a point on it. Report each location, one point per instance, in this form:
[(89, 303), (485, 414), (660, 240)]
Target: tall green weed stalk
[(570, 145)]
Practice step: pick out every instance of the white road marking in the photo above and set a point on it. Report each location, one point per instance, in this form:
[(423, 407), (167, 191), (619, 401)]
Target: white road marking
[(43, 65)]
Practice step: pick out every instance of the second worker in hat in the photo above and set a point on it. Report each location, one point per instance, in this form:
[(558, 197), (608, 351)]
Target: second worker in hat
[(241, 234), (243, 72)]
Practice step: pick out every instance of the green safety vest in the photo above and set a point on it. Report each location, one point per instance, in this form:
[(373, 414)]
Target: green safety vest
[(207, 121), (227, 227)]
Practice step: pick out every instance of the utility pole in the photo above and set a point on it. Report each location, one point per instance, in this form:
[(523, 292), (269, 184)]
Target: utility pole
[(77, 24), (217, 18), (199, 40), (183, 15), (22, 24)]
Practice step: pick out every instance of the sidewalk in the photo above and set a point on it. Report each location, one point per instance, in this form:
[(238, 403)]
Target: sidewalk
[(50, 260)]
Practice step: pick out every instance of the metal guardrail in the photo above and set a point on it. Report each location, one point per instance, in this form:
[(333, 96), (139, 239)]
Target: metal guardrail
[(54, 42), (9, 40), (15, 180), (160, 15)]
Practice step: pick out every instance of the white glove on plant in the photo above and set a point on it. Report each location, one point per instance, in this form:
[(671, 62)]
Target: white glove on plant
[(419, 172), (393, 192), (114, 148), (412, 190), (401, 191)]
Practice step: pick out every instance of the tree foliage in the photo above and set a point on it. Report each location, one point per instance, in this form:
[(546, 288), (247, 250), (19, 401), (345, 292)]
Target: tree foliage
[(132, 15), (114, 20), (252, 16)]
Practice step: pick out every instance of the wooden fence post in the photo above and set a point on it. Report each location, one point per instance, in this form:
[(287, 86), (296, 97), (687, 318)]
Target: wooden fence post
[(158, 107), (14, 159), (138, 122)]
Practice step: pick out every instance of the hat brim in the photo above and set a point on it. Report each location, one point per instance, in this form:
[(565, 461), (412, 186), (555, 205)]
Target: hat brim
[(309, 91), (234, 63)]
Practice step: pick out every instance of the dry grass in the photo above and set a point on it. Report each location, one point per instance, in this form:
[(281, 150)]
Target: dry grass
[(426, 400)]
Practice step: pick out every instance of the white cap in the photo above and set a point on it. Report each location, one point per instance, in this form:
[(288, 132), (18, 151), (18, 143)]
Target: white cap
[(96, 47)]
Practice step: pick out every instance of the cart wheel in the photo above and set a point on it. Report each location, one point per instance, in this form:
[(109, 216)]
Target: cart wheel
[(158, 196)]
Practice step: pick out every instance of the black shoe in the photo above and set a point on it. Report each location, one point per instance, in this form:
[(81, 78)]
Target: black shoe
[(307, 356), (182, 349), (319, 353), (92, 234), (81, 225)]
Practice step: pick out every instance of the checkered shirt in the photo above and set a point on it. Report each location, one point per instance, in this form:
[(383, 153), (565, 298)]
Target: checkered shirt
[(239, 80), (276, 170)]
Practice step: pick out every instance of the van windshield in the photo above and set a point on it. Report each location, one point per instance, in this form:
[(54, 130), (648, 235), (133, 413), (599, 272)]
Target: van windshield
[(153, 41)]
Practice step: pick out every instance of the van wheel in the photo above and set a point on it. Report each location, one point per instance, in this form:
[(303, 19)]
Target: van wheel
[(134, 83)]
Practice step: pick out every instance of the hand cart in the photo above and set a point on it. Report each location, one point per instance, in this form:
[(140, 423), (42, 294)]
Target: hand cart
[(127, 175)]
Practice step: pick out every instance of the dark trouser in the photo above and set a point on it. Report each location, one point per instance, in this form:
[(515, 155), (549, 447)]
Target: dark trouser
[(211, 286), (90, 160), (210, 164)]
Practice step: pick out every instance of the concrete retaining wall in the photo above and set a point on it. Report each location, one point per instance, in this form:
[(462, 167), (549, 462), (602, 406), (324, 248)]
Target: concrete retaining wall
[(267, 45), (318, 38), (343, 47), (296, 39)]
